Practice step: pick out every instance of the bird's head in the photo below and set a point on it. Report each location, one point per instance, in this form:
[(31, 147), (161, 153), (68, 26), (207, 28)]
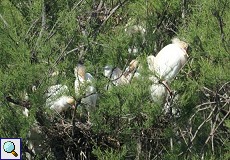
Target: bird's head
[(183, 45), (79, 70), (71, 101)]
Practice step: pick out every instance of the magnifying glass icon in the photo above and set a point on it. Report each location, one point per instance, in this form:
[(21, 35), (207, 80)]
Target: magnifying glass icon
[(9, 147)]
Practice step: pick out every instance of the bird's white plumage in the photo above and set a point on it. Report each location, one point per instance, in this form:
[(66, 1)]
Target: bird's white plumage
[(57, 98), (90, 93), (115, 75), (85, 89), (158, 91), (84, 84), (61, 104), (165, 66), (169, 61)]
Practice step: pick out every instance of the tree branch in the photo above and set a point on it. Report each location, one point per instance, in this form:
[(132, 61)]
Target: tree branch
[(22, 103)]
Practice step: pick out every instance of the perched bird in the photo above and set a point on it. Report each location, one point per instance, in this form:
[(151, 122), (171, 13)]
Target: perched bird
[(63, 103), (84, 87), (170, 60), (115, 75), (165, 66), (57, 98)]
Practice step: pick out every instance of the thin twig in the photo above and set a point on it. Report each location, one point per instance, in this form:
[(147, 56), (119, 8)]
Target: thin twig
[(112, 12), (4, 21), (31, 26), (76, 5), (198, 129)]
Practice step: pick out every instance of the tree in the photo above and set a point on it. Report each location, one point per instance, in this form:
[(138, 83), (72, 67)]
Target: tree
[(42, 37)]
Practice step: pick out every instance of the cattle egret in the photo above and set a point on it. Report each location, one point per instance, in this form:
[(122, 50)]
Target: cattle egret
[(62, 104), (89, 93), (85, 79), (167, 64), (57, 99), (170, 60), (115, 75)]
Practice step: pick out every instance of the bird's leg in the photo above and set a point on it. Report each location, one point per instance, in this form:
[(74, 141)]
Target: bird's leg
[(167, 87)]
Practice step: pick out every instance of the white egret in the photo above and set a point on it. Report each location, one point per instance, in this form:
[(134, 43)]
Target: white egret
[(57, 98), (115, 75), (84, 87), (170, 60)]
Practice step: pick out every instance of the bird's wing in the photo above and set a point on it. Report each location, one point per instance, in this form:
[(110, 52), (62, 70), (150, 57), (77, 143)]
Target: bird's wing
[(118, 77), (60, 104), (57, 89), (158, 93), (89, 77), (108, 71), (90, 96), (54, 93), (168, 62), (117, 72)]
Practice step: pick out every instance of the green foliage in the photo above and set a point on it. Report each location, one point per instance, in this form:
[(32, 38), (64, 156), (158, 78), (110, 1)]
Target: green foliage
[(110, 154), (41, 37)]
